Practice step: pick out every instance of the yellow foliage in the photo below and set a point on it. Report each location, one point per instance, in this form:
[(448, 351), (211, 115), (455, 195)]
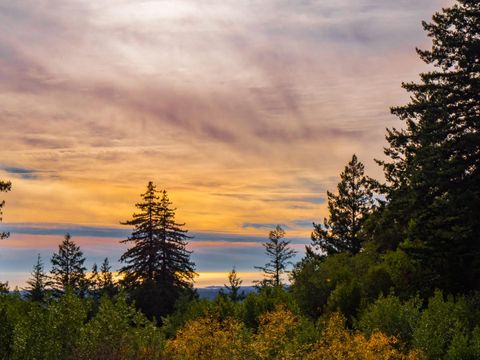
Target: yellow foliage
[(276, 336), (338, 343), (208, 338)]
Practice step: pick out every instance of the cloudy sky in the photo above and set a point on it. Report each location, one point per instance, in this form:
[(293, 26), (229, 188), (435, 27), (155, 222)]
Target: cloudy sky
[(244, 111)]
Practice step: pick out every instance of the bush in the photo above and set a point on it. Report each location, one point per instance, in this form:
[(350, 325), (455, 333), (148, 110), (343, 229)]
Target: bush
[(338, 343), (119, 332), (442, 325), (209, 338), (345, 298), (278, 336), (12, 309), (265, 300), (391, 317), (314, 281), (52, 333)]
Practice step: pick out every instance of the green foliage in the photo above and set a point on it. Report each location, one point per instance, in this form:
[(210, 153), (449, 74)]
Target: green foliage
[(376, 282), (392, 317), (314, 280), (265, 300), (50, 333), (186, 308), (441, 323), (464, 346), (345, 298), (118, 331), (61, 330), (309, 289), (12, 309), (339, 282)]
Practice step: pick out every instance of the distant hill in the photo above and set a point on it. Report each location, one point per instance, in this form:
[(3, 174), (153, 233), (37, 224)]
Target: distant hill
[(210, 292)]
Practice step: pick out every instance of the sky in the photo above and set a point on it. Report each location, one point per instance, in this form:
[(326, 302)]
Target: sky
[(244, 111)]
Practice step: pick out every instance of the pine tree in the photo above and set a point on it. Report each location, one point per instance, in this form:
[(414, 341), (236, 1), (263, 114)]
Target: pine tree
[(68, 271), (348, 210), (433, 174), (158, 265), (280, 253), (4, 187), (234, 286), (38, 283)]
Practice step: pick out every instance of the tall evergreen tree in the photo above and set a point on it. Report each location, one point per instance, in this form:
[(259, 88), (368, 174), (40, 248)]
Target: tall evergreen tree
[(68, 271), (38, 283), (279, 253), (341, 232), (4, 187), (433, 174), (158, 266)]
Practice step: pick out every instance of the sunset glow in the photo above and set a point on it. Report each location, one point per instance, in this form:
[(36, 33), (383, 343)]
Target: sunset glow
[(245, 112)]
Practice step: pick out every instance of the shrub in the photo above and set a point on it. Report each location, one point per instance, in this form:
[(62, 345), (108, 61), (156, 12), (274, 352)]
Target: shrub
[(209, 338), (391, 317), (119, 332), (440, 324), (52, 333), (278, 336), (339, 343)]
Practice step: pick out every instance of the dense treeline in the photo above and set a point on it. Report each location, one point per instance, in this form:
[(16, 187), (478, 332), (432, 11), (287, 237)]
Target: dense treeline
[(393, 272)]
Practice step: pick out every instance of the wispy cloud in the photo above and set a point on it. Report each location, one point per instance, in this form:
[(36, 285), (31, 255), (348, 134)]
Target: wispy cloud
[(262, 226), (245, 112)]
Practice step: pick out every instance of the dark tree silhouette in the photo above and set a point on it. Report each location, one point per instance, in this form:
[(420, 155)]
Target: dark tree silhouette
[(4, 187), (93, 282), (158, 266), (433, 171), (38, 283), (280, 253), (341, 232), (106, 284), (233, 288), (68, 271)]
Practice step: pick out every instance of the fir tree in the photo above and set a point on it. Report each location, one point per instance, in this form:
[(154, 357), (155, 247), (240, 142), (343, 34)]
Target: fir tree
[(233, 288), (106, 284), (68, 271), (4, 187), (38, 283), (433, 174), (93, 282), (158, 266), (341, 232), (280, 253)]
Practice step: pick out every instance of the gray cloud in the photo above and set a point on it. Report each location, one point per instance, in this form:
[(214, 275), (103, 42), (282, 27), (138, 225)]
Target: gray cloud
[(263, 226)]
